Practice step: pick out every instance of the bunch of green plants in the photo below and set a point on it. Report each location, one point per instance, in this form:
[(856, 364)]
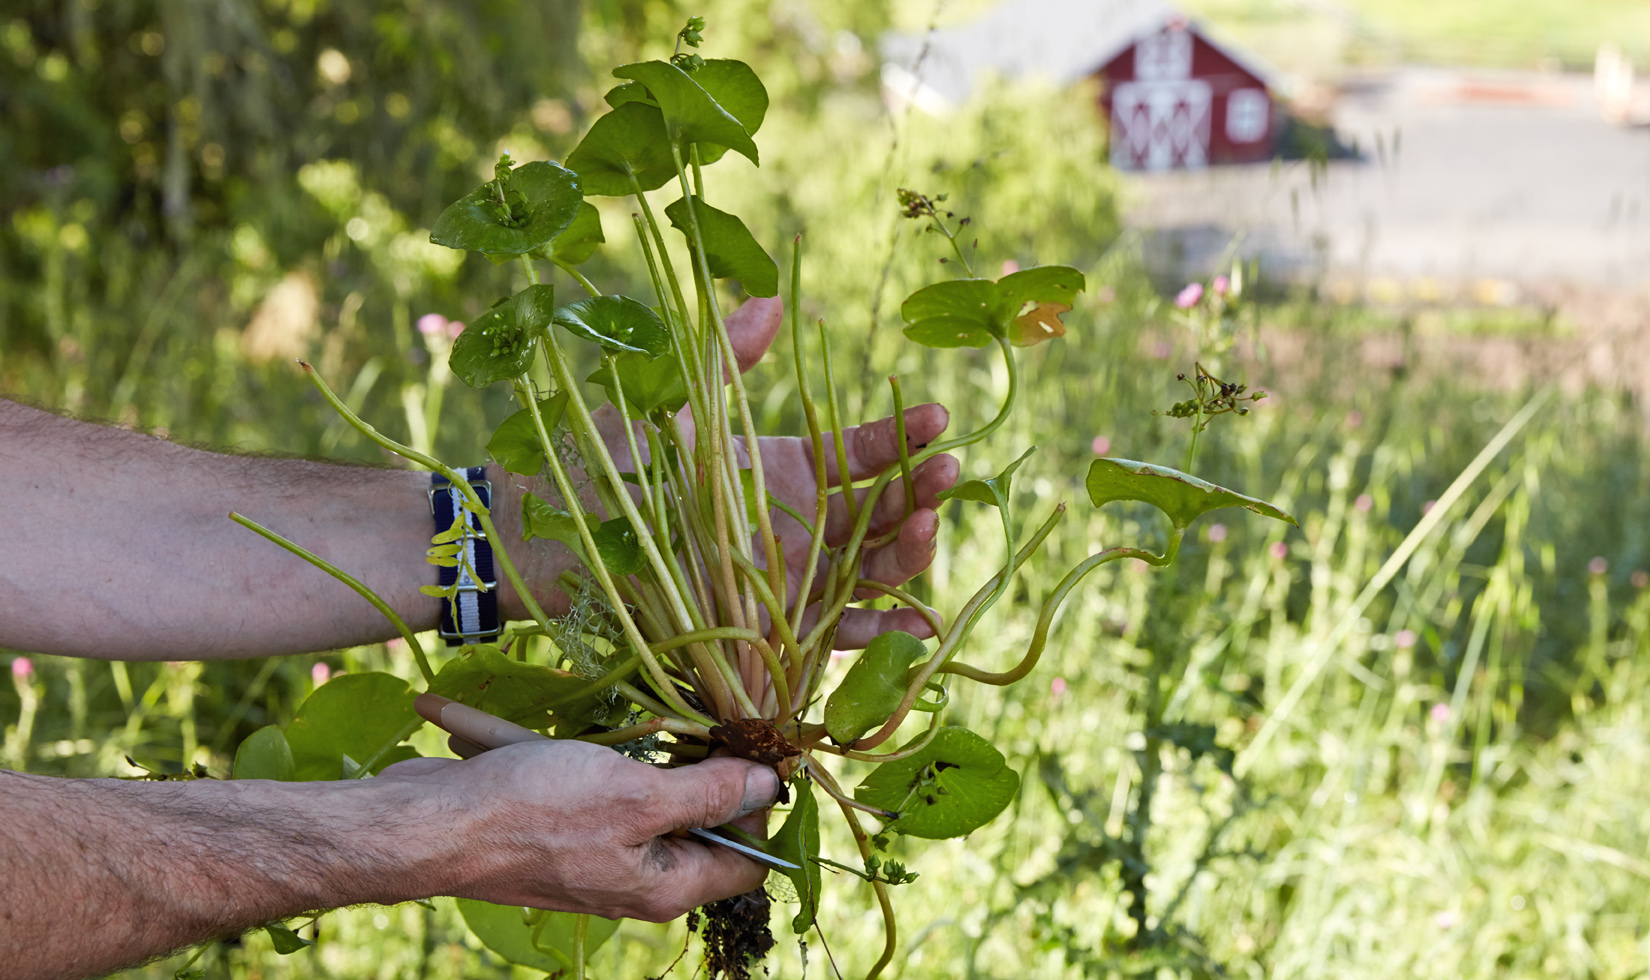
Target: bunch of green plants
[(705, 604)]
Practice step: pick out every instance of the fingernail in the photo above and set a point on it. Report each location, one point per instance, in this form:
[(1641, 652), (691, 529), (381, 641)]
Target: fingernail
[(761, 789)]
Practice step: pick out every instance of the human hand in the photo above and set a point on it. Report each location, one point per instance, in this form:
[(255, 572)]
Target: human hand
[(789, 470), (576, 827)]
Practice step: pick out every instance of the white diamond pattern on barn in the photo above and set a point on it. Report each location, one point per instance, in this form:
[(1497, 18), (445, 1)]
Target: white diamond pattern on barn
[(1161, 125)]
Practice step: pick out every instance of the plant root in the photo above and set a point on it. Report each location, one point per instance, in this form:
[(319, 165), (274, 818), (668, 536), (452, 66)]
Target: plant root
[(736, 934)]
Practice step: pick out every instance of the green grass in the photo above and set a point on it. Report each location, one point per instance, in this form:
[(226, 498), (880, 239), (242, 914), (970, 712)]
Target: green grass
[(1383, 839), (1375, 835)]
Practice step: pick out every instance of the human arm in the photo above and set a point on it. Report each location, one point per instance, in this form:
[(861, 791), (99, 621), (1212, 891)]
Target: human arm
[(144, 868), (121, 546)]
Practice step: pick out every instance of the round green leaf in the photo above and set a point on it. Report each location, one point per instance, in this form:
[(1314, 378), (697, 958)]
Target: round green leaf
[(482, 677), (550, 193), (731, 250), (581, 238), (649, 383), (736, 89), (1040, 284), (498, 345), (627, 92), (957, 313), (798, 842), (1032, 300), (618, 323), (969, 312), (629, 141), (355, 715), (541, 519), (873, 686), (264, 755), (515, 443), (958, 783), (618, 547), (546, 946), (1183, 498), (691, 115)]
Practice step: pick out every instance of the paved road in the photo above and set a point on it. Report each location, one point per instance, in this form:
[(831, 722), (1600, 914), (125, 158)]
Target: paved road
[(1482, 185)]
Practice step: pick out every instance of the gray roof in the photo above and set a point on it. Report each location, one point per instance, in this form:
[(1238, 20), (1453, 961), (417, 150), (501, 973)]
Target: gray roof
[(1060, 41)]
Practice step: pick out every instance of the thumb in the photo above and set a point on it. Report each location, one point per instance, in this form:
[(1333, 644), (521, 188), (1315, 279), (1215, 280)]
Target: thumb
[(752, 327), (714, 792)]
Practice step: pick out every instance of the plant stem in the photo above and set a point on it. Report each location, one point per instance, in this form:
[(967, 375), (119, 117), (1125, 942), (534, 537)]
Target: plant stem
[(581, 929), (863, 841), (996, 423), (927, 613), (833, 417), (652, 726), (400, 736), (1050, 606), (662, 682), (354, 583), (458, 482), (960, 628), (904, 449), (816, 442), (578, 276)]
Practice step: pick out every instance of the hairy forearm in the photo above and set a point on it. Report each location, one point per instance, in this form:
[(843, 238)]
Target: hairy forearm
[(120, 546), (149, 867)]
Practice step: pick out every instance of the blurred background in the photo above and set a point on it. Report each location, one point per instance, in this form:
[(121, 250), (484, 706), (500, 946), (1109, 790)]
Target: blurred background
[(1408, 739)]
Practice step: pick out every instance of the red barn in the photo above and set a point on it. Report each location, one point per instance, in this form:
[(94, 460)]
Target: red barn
[(1176, 101), (1173, 98)]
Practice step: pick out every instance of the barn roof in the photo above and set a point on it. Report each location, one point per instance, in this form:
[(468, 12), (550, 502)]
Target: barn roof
[(1061, 41)]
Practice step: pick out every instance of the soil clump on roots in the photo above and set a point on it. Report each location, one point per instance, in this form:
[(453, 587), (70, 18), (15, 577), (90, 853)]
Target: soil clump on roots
[(736, 934)]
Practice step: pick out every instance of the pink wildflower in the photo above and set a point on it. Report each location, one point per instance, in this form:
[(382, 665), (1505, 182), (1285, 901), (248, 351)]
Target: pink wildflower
[(1599, 565), (431, 324), (1221, 285), (1279, 550), (1010, 267), (1057, 686), (320, 673), (1440, 712), (1189, 296), (22, 668), (1365, 503), (1101, 445), (1217, 533), (1354, 419), (1404, 639)]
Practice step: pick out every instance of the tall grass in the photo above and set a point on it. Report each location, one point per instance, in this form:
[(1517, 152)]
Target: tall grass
[(1460, 791)]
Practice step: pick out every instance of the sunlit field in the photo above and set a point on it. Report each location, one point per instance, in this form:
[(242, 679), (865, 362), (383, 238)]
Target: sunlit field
[(1409, 738)]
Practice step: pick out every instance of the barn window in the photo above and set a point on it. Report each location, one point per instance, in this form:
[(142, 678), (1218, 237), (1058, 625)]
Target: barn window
[(1246, 115), (1165, 56)]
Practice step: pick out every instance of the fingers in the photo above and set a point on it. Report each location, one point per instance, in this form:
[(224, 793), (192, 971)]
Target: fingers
[(874, 446), (752, 327), (713, 792), (859, 627), (706, 794), (930, 477), (908, 555), (691, 873)]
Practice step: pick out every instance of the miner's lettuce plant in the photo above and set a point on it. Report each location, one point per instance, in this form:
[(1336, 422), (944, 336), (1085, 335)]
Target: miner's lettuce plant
[(687, 635)]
